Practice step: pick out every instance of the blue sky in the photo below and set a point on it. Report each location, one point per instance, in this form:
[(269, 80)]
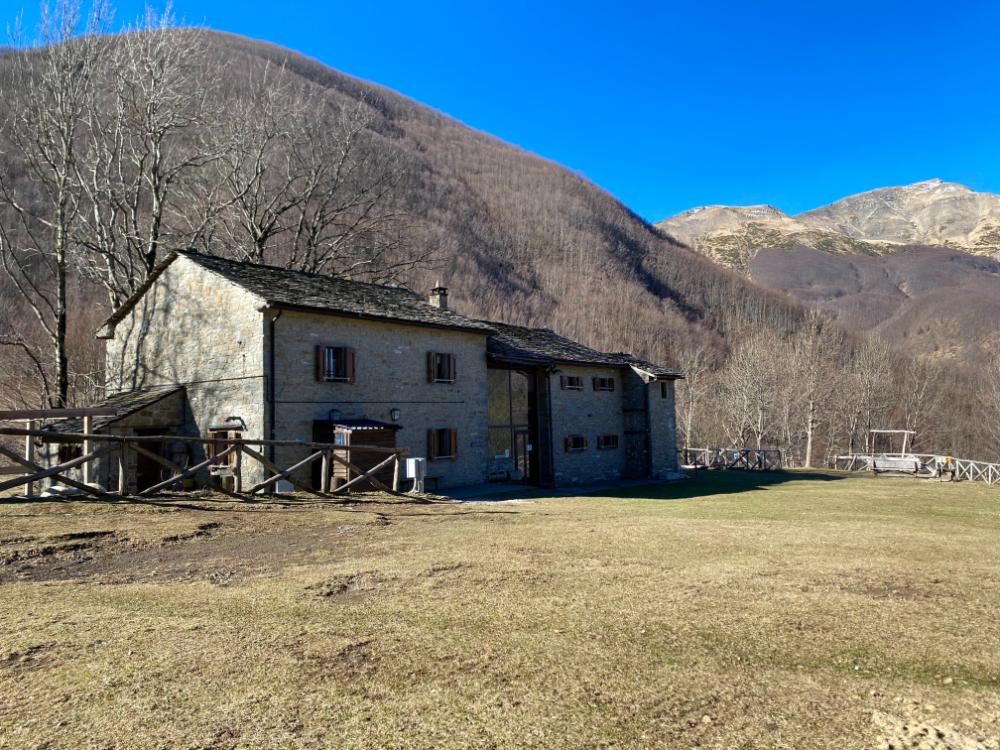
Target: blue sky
[(669, 105)]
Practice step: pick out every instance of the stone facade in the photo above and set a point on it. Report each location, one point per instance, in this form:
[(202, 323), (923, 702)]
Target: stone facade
[(196, 329), (390, 373)]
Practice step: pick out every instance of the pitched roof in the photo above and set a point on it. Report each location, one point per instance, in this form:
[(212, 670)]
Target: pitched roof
[(310, 291), (124, 404), (540, 346)]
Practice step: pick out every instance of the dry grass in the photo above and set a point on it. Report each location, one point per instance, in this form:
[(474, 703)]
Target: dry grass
[(735, 611)]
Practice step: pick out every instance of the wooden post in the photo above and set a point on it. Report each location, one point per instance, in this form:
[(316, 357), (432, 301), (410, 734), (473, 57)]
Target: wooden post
[(122, 474), (87, 424), (324, 477), (395, 475), (238, 469), (29, 452)]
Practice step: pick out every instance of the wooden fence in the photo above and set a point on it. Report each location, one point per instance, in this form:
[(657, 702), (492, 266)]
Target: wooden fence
[(928, 466), (227, 459), (747, 459)]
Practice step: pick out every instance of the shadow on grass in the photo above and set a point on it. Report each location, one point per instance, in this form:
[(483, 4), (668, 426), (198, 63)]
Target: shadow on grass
[(707, 483)]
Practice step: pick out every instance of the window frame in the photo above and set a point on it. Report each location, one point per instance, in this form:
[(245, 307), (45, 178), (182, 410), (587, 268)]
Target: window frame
[(434, 444), (346, 360), (438, 362), (571, 446), (608, 442), (566, 384), (603, 384)]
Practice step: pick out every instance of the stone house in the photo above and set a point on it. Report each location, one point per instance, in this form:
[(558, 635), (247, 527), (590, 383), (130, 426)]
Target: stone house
[(284, 355)]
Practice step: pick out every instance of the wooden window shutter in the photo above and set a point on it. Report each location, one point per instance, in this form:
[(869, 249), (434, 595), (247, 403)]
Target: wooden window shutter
[(349, 364), (611, 384), (453, 434), (562, 382), (431, 367), (451, 367), (432, 452), (320, 362), (586, 443), (568, 444)]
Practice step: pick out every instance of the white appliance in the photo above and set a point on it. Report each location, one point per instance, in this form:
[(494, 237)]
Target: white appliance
[(416, 469)]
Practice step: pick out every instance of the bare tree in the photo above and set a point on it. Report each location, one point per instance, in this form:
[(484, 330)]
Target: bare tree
[(310, 186), (147, 145), (812, 369), (50, 84), (694, 357)]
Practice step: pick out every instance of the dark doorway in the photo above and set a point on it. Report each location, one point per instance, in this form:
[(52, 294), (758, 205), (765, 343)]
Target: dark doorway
[(147, 471), (513, 425)]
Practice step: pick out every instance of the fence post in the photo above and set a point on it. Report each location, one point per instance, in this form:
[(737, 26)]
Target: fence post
[(122, 475), (395, 475), (324, 477), (86, 449), (238, 470), (29, 452)]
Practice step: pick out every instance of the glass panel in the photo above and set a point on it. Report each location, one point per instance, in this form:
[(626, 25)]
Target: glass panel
[(519, 397), (500, 443), (498, 409)]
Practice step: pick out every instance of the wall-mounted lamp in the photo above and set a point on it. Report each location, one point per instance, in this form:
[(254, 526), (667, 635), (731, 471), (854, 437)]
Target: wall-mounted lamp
[(395, 414), (333, 415)]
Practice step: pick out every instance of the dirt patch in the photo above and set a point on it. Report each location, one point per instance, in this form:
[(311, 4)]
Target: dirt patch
[(29, 659), (345, 585), (882, 588), (897, 733), (203, 530)]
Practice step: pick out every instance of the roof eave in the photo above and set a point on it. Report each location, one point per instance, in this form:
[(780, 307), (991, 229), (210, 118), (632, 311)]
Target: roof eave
[(276, 305)]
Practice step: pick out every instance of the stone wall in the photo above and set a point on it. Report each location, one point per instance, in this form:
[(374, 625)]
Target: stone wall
[(589, 413), (196, 329), (391, 373), (663, 427)]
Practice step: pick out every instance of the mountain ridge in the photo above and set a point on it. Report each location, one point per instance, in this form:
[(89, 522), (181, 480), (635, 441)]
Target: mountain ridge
[(874, 222)]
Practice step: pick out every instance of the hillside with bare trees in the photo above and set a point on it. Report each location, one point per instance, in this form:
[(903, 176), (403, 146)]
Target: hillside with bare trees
[(117, 148)]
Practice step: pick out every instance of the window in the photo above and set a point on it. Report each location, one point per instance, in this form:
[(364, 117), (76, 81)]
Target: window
[(576, 444), (571, 382), (442, 443), (440, 367), (604, 384), (607, 442), (334, 364), (663, 390)]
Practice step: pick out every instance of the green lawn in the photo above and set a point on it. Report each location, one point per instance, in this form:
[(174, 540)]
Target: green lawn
[(732, 611)]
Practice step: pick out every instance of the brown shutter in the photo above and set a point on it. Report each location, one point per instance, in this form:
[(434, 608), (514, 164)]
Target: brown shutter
[(431, 367), (451, 367), (349, 364), (320, 362), (594, 381), (611, 384), (568, 444), (562, 382), (586, 443), (453, 434), (431, 445)]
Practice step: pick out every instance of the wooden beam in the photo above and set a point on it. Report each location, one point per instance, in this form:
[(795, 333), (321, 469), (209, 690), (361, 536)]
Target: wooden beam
[(188, 472), (367, 475), (272, 468), (284, 473), (352, 467), (53, 472)]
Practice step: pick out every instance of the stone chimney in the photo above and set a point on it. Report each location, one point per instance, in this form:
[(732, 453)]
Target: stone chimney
[(439, 296)]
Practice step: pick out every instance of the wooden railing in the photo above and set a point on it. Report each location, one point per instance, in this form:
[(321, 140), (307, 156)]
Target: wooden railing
[(747, 459), (929, 465), (30, 471)]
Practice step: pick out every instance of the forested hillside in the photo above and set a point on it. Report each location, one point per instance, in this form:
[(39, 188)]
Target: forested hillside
[(163, 138)]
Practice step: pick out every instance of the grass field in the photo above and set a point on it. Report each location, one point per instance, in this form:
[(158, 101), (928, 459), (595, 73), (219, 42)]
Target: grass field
[(732, 611)]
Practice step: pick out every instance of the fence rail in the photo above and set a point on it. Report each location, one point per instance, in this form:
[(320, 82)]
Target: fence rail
[(927, 465), (227, 461), (747, 459)]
